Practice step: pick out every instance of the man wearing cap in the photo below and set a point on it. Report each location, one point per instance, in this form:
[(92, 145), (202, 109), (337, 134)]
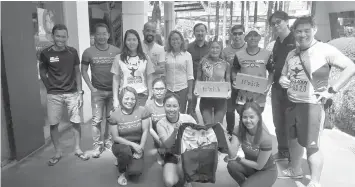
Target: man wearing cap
[(237, 43), (155, 51), (284, 43), (253, 61)]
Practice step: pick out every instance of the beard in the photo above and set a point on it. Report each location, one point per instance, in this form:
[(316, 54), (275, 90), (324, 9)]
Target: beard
[(149, 38)]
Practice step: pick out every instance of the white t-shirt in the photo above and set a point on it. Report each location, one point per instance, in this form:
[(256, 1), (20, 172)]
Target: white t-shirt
[(133, 72), (156, 55), (317, 60)]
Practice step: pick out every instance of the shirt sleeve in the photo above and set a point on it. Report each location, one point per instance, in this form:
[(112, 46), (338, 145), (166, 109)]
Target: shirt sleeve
[(189, 67), (270, 64), (116, 68), (86, 59), (111, 119), (162, 55), (160, 130), (336, 58), (150, 66), (76, 58), (266, 144), (145, 112), (43, 59)]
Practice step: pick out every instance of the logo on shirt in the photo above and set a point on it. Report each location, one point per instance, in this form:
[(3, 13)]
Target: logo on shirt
[(296, 71), (54, 59)]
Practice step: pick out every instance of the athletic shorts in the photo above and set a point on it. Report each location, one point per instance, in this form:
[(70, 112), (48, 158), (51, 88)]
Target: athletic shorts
[(305, 123)]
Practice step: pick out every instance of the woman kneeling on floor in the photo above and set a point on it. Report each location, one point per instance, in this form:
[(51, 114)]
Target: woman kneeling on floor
[(129, 126), (258, 168), (167, 130)]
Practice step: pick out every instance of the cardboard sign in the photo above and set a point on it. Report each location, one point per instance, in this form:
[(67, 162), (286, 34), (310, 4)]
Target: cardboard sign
[(250, 83), (212, 89)]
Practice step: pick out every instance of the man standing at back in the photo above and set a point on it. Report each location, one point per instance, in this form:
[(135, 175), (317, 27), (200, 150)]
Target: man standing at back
[(60, 73), (284, 43), (155, 51), (198, 49), (100, 57), (237, 34)]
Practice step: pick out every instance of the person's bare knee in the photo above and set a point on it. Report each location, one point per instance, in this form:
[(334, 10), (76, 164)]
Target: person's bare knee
[(170, 174)]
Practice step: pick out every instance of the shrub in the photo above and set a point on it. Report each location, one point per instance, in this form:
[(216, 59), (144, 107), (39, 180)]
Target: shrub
[(342, 112)]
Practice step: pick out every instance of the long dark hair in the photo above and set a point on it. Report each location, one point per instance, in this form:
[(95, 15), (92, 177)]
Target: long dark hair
[(125, 51), (243, 130)]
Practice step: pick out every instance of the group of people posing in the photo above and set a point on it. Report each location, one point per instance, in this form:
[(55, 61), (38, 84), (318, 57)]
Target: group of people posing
[(147, 89)]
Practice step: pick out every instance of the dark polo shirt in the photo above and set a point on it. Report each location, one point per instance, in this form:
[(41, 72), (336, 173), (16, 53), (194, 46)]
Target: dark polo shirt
[(197, 54), (280, 52), (60, 67)]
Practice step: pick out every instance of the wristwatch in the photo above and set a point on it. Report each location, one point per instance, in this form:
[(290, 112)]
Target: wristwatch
[(331, 90), (238, 159), (81, 92)]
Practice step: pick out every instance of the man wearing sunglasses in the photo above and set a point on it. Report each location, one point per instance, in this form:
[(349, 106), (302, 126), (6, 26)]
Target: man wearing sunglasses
[(284, 43), (237, 44)]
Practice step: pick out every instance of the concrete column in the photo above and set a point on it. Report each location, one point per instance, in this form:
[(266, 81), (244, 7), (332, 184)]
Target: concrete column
[(322, 21), (134, 16), (169, 17), (76, 18)]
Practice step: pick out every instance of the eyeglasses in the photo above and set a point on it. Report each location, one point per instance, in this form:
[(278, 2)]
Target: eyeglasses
[(238, 33), (277, 22), (159, 89)]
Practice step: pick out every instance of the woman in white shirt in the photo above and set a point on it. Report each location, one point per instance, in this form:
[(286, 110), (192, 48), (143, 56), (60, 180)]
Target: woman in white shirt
[(132, 68), (179, 69)]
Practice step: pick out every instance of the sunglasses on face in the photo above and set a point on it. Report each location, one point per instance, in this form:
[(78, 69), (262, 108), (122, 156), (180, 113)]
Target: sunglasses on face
[(277, 22), (238, 33)]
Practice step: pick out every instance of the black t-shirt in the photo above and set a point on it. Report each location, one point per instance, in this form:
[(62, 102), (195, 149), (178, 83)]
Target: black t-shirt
[(280, 52), (60, 67)]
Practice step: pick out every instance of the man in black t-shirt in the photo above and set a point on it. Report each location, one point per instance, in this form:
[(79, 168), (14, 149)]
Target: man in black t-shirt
[(284, 43), (60, 73)]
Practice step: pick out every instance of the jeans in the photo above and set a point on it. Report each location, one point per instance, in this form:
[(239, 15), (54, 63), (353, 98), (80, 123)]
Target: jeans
[(250, 177), (191, 108), (280, 103), (183, 99), (126, 163), (100, 100), (231, 107)]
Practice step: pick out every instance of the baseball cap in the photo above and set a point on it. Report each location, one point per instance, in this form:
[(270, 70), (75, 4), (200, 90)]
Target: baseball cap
[(253, 30)]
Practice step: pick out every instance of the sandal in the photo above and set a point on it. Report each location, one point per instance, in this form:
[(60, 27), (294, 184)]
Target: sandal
[(82, 156), (122, 180), (54, 160)]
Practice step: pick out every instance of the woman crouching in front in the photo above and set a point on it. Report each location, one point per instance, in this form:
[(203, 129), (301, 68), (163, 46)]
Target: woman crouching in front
[(129, 126), (167, 130), (258, 168)]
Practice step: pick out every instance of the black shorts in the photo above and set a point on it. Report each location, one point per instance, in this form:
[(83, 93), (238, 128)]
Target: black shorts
[(305, 122), (170, 158)]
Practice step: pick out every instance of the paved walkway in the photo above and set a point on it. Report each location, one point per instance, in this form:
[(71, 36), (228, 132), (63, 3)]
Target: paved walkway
[(338, 148)]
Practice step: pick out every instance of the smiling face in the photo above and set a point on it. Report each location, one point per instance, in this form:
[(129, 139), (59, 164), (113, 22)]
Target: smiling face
[(238, 35), (128, 100), (172, 108), (304, 34), (253, 39), (175, 41), (200, 33), (159, 90), (215, 50), (250, 118), (131, 42), (278, 25), (101, 35), (60, 38), (149, 32)]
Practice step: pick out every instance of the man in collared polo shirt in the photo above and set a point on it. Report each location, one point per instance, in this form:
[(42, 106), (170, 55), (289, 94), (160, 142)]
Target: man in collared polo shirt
[(60, 73), (155, 51), (237, 34), (284, 43), (198, 49), (100, 57)]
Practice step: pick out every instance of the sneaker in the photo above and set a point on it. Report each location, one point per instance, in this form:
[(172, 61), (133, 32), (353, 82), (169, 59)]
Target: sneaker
[(282, 156), (229, 134), (97, 150), (108, 145), (290, 173), (313, 184)]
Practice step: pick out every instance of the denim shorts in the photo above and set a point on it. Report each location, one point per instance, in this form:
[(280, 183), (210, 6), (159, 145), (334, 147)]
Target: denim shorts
[(55, 104)]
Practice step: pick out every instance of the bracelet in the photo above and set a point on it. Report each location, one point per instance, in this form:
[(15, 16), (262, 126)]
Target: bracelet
[(236, 157)]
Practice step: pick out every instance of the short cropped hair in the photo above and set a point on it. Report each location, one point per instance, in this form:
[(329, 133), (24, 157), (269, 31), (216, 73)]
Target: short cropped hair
[(59, 27), (304, 20), (279, 14)]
